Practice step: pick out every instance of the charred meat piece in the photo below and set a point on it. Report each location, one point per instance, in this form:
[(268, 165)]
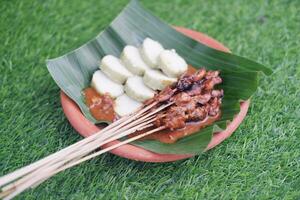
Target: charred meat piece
[(165, 94), (175, 118), (197, 114), (199, 75), (209, 84), (213, 107), (212, 74), (195, 90), (217, 93), (159, 120), (175, 122), (191, 105), (181, 98), (202, 99), (185, 83)]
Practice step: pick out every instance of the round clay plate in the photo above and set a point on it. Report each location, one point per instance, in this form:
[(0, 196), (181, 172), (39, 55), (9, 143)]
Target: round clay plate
[(86, 128)]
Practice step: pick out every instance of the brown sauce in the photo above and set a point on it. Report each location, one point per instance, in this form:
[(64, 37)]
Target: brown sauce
[(169, 137), (100, 106), (191, 70)]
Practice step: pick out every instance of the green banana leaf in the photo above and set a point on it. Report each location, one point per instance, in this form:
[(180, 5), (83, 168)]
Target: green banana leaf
[(72, 72)]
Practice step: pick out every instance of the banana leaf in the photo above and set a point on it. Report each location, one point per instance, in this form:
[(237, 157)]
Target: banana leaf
[(73, 71)]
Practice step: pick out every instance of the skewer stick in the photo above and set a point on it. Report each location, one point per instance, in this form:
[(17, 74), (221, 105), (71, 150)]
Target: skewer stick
[(90, 146), (47, 173), (78, 153), (22, 171), (130, 128), (92, 142)]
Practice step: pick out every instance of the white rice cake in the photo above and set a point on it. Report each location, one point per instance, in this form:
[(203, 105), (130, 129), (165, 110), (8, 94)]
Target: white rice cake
[(124, 105), (171, 63), (136, 89), (114, 69), (150, 51), (156, 80), (132, 59), (102, 84)]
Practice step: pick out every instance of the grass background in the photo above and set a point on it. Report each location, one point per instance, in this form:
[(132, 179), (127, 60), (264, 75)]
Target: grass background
[(260, 161)]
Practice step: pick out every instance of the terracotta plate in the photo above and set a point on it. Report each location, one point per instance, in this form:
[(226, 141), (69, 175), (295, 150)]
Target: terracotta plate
[(86, 128)]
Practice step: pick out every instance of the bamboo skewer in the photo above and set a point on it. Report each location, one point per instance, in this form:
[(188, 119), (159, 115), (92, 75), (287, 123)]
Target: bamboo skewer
[(45, 174), (46, 170), (82, 151), (95, 145), (36, 173), (107, 149), (77, 149), (20, 172)]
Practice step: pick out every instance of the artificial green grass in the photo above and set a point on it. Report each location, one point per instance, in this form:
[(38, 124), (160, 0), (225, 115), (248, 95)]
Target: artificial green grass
[(260, 161)]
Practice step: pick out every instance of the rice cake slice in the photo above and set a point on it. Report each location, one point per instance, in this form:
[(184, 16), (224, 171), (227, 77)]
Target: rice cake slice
[(156, 80), (136, 89), (124, 105), (103, 85), (150, 51), (114, 69), (132, 59), (171, 63)]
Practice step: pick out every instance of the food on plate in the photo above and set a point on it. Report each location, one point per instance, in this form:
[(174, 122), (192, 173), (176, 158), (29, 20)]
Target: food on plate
[(124, 105), (114, 69), (171, 63), (104, 85), (136, 89), (150, 51), (156, 80), (194, 99), (141, 83), (100, 106), (132, 59), (195, 105)]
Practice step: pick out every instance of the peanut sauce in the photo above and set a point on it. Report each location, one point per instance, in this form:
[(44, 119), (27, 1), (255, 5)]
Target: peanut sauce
[(169, 137), (100, 106), (191, 70)]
